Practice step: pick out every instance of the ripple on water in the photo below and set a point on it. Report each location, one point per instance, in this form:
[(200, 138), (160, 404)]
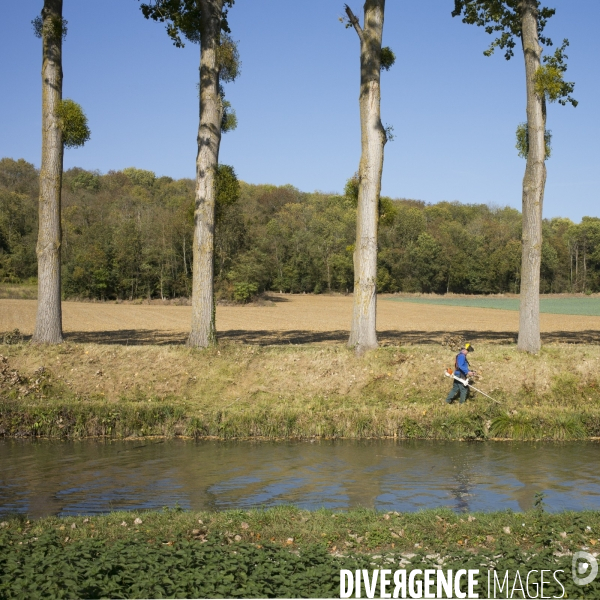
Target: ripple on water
[(89, 477)]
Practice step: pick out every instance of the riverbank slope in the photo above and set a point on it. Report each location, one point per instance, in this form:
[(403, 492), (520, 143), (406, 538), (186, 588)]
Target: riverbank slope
[(312, 390)]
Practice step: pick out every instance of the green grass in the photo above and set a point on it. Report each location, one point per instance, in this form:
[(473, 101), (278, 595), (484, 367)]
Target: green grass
[(359, 530), (280, 552), (557, 306)]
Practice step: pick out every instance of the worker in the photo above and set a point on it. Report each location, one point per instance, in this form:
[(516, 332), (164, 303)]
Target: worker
[(462, 370)]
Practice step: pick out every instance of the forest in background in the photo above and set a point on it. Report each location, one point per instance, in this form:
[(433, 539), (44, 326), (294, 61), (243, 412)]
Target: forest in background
[(128, 235)]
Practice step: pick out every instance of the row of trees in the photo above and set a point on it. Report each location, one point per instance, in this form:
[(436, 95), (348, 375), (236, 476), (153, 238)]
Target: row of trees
[(205, 22), (200, 21), (128, 235)]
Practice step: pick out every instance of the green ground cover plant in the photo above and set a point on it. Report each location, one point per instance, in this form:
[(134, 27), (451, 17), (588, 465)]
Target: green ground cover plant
[(280, 552)]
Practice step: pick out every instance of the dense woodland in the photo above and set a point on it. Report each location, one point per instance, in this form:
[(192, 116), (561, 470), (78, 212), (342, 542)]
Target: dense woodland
[(128, 235)]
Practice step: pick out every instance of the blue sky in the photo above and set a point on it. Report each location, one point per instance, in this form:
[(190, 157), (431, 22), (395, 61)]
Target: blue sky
[(454, 111)]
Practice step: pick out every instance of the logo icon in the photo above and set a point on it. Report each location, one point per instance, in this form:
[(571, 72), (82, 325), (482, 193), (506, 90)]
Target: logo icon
[(585, 568)]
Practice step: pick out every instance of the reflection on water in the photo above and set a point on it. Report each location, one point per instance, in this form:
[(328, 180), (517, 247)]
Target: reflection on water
[(43, 477)]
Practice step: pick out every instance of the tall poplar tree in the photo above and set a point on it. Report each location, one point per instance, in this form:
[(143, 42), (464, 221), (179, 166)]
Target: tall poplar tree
[(525, 20), (63, 124), (204, 22), (363, 331), (48, 324)]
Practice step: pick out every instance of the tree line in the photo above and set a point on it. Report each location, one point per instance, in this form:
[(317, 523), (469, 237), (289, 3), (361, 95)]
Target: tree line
[(128, 235)]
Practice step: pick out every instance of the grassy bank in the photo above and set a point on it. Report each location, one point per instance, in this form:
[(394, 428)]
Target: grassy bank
[(240, 391), (281, 552)]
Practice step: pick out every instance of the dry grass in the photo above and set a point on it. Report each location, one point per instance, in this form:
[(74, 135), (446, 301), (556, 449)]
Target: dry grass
[(318, 390), (390, 375), (231, 373)]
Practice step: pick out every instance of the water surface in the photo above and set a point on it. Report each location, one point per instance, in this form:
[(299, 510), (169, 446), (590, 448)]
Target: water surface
[(42, 478)]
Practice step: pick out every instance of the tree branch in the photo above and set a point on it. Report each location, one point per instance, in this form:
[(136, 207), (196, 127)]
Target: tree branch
[(354, 21)]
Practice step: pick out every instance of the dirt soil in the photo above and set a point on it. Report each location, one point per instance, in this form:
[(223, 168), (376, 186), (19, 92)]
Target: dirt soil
[(293, 319)]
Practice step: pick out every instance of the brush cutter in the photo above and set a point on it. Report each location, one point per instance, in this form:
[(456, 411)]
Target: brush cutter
[(450, 373)]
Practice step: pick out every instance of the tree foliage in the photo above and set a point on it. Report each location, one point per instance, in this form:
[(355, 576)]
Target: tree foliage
[(74, 124), (228, 188), (502, 18), (55, 27), (128, 235), (549, 81), (182, 17), (351, 189), (228, 57), (140, 177), (183, 21), (387, 58), (522, 144), (229, 120)]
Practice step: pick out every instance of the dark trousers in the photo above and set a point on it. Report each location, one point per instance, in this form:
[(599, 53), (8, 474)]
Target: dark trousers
[(458, 388)]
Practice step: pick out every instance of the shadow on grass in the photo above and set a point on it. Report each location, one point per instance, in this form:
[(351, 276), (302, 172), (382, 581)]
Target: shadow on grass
[(141, 337)]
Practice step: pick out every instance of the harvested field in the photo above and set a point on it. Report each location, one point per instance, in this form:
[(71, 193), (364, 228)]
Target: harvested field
[(294, 319)]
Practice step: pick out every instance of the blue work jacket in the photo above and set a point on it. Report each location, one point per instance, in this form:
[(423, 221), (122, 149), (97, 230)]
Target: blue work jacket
[(462, 365)]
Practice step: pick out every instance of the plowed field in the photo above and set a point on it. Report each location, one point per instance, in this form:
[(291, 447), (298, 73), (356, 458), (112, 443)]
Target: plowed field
[(294, 319)]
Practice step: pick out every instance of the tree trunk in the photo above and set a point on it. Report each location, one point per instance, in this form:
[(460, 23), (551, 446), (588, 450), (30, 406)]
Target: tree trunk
[(363, 333), (576, 266), (584, 268), (203, 332), (533, 187), (571, 265), (48, 324)]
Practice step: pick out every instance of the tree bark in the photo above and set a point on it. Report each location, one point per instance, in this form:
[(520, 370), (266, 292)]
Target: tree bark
[(363, 332), (533, 187), (203, 332), (48, 324)]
